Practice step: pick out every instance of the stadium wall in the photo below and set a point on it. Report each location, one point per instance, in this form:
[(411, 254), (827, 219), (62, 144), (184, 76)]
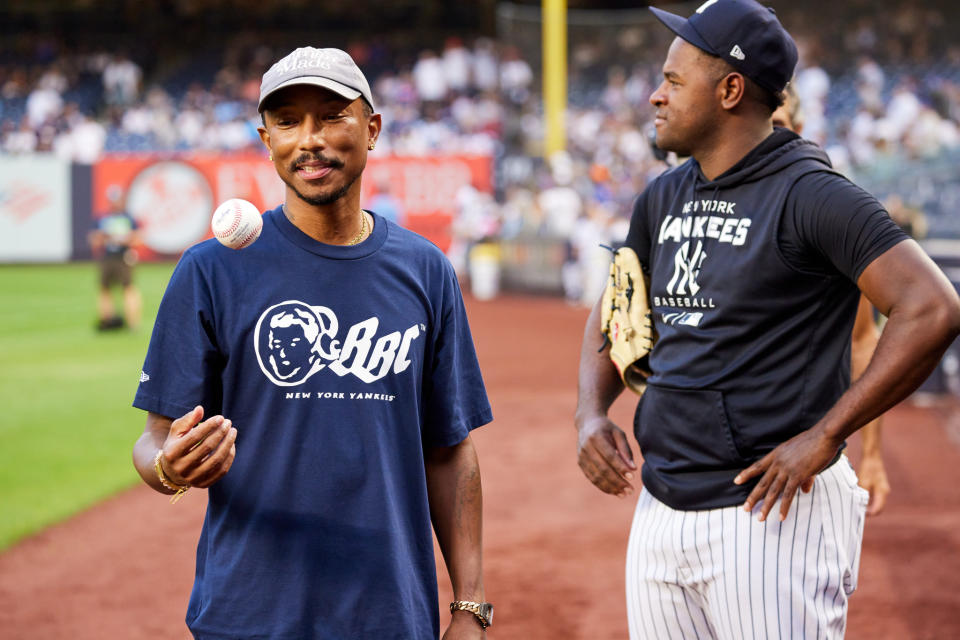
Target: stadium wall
[(48, 206), (35, 209)]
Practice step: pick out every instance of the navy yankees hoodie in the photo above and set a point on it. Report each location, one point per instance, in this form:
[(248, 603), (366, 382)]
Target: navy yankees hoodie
[(754, 303)]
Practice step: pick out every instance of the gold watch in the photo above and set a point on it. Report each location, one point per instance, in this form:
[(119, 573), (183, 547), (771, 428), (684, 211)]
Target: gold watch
[(482, 610)]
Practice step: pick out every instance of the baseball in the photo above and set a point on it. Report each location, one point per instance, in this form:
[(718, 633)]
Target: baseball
[(236, 223)]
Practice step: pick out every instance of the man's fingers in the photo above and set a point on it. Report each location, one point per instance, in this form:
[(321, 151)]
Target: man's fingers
[(878, 499), (612, 466), (752, 471), (624, 451), (605, 458), (771, 496), (591, 471), (210, 469), (786, 497), (217, 463), (606, 447), (600, 473), (610, 480), (758, 491), (181, 445), (184, 423), (874, 480), (215, 434), (186, 453)]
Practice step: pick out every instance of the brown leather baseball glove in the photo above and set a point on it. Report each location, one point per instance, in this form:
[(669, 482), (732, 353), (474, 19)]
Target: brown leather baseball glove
[(626, 321)]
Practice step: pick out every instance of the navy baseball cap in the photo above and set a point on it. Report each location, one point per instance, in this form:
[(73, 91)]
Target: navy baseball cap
[(744, 33)]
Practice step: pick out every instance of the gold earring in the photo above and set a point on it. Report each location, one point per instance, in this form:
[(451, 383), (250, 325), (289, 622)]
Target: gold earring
[(372, 145), (271, 157)]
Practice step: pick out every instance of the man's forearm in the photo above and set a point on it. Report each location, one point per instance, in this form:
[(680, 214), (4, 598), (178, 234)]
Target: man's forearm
[(870, 438), (864, 344), (456, 508), (864, 341), (870, 433), (599, 383)]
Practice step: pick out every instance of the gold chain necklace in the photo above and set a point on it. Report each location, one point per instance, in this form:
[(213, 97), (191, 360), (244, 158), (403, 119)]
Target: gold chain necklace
[(363, 229), (357, 238)]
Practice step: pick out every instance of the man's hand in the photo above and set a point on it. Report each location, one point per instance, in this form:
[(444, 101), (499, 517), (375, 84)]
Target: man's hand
[(604, 456), (789, 467), (198, 453), (873, 478), (464, 626)]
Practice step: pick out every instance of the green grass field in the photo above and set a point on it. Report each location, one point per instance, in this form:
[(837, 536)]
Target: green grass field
[(66, 424)]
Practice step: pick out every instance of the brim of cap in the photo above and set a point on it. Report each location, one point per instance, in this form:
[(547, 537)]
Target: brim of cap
[(681, 27), (340, 89)]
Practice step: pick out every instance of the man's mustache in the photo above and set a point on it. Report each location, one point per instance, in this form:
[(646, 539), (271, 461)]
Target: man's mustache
[(315, 158)]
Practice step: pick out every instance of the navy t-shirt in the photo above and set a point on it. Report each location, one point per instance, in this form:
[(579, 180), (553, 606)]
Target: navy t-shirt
[(337, 366)]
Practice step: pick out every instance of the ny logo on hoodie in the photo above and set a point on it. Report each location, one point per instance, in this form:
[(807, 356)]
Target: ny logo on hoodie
[(686, 269)]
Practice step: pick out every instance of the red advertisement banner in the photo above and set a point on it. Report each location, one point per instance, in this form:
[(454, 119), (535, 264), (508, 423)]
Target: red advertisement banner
[(172, 197)]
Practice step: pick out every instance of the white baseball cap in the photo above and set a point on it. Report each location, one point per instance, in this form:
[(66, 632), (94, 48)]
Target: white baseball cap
[(331, 69)]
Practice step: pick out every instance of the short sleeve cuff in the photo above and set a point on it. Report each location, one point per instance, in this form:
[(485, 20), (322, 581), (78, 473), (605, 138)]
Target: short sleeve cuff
[(459, 432)]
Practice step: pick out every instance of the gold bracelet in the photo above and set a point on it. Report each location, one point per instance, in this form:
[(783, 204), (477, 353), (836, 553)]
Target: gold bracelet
[(166, 482), (483, 611)]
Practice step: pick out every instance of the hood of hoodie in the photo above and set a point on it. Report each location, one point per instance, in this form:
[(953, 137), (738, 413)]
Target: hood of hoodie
[(780, 149)]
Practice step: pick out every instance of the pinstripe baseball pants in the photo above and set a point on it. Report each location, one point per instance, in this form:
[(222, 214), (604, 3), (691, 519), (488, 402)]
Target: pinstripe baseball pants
[(721, 574)]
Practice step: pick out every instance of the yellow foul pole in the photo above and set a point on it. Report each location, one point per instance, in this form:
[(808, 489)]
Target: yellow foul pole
[(555, 74)]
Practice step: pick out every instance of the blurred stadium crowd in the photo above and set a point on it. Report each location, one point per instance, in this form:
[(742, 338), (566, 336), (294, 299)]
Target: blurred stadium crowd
[(879, 84)]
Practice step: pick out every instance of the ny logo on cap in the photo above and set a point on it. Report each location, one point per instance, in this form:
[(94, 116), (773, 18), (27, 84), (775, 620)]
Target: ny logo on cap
[(706, 4)]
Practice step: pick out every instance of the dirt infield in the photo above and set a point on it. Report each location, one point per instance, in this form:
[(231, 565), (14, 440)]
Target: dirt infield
[(554, 546)]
